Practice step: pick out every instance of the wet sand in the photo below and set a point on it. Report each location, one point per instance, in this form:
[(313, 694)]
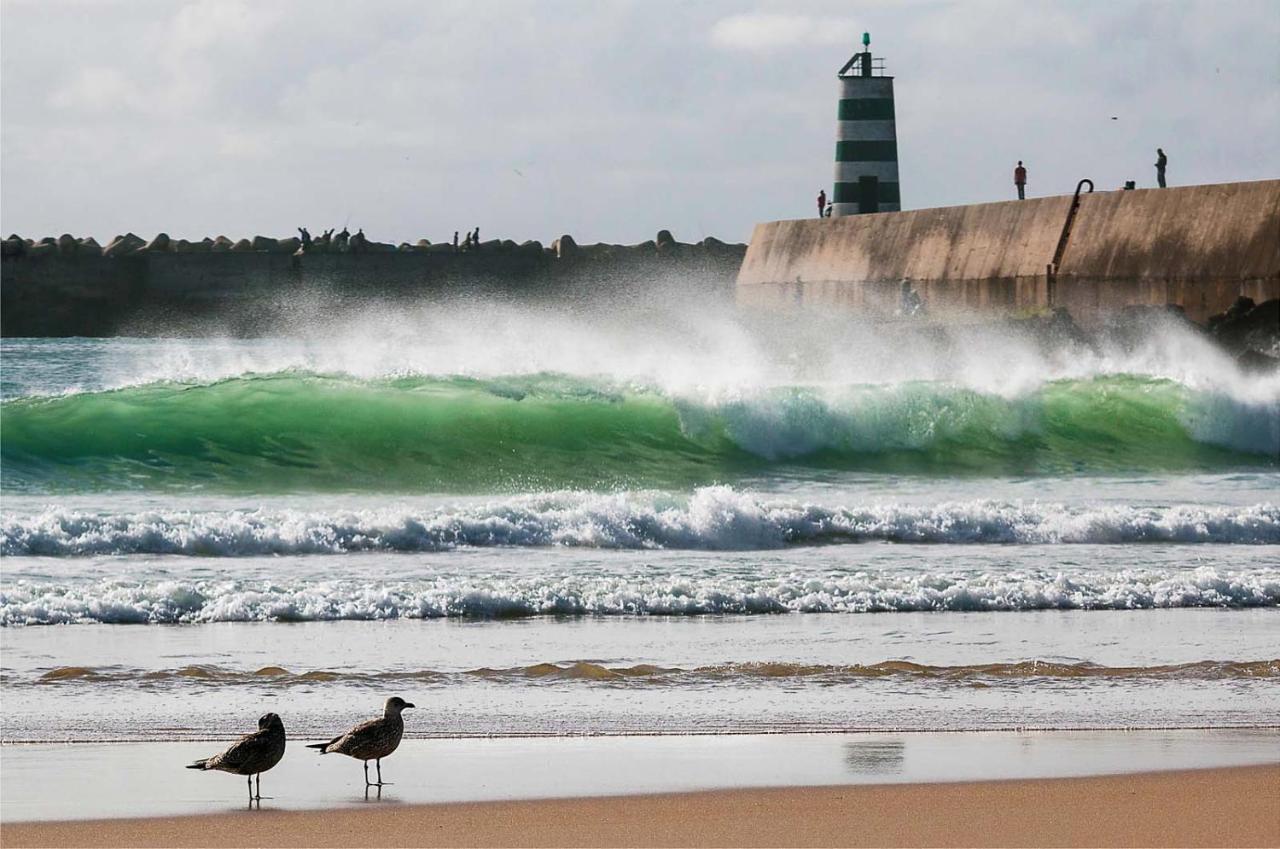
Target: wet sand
[(1211, 807)]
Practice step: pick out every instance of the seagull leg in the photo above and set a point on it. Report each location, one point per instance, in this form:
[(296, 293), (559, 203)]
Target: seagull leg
[(249, 779), (381, 783), (366, 774)]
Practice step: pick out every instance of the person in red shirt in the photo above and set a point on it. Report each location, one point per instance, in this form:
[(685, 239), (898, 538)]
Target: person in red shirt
[(1020, 180), (822, 202)]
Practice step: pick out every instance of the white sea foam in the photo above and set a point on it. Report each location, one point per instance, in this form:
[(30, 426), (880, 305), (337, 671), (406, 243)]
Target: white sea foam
[(498, 595), (712, 518)]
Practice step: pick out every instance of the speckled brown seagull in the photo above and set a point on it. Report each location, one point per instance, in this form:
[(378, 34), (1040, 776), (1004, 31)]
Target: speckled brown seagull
[(251, 755), (372, 740)]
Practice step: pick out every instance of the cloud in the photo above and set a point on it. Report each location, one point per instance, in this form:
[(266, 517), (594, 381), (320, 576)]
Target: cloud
[(97, 90), (764, 31)]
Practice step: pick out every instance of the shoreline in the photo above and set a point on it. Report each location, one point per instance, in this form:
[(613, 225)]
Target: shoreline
[(1217, 806), (57, 782)]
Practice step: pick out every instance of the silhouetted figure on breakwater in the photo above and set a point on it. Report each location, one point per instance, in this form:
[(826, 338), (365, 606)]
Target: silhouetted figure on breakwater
[(1020, 180), (822, 203), (910, 302), (455, 240), (1162, 162), (341, 240), (358, 243), (475, 239), (306, 238)]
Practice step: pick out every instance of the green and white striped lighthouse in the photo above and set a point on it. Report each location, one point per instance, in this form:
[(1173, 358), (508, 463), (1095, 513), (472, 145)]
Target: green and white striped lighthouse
[(866, 138)]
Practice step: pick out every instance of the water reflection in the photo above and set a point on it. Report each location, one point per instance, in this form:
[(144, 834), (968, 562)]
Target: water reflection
[(875, 756)]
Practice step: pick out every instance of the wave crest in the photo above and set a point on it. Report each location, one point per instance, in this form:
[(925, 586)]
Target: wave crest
[(298, 431)]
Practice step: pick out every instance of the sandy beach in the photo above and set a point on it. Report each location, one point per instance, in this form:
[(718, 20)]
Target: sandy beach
[(1218, 807)]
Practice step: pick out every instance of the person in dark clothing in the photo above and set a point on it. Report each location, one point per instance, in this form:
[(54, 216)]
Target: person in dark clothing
[(1020, 180), (822, 202), (1161, 162), (475, 238), (909, 300), (306, 237), (340, 241), (455, 240)]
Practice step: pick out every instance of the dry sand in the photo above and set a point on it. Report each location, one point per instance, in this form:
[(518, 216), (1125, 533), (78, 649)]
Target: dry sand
[(1218, 807)]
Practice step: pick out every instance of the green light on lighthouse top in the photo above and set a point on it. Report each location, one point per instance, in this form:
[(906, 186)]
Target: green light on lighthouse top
[(866, 40)]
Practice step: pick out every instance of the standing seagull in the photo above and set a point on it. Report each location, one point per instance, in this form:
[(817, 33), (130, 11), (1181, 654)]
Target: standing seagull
[(372, 740), (253, 754)]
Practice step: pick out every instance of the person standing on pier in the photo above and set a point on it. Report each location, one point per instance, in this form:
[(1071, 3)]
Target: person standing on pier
[(1161, 162), (822, 202), (1020, 180)]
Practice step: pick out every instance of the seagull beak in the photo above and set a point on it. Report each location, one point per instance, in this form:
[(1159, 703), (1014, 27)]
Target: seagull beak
[(409, 704)]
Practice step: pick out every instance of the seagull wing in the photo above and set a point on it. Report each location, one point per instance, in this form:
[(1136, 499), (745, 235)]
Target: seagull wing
[(240, 752), (363, 733)]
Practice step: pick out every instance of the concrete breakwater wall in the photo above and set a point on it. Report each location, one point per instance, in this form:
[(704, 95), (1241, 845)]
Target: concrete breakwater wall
[(78, 289), (1198, 247)]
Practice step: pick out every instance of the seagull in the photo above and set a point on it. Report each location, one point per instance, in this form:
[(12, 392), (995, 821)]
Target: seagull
[(253, 754), (372, 740)]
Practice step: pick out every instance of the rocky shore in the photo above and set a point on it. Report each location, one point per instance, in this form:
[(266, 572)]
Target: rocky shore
[(129, 244), (69, 286)]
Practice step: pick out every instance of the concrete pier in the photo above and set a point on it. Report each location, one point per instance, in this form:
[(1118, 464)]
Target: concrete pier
[(1199, 247)]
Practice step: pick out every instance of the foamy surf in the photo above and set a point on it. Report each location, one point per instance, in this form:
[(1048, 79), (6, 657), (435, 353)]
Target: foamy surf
[(496, 595), (711, 518)]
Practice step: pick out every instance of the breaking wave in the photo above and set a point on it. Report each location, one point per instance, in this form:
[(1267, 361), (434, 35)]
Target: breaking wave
[(712, 518), (298, 431), (165, 601)]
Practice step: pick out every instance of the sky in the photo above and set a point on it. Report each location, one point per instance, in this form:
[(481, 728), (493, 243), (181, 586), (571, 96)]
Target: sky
[(605, 119)]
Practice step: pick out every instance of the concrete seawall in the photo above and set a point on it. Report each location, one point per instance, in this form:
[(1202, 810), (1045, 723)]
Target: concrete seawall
[(1199, 247)]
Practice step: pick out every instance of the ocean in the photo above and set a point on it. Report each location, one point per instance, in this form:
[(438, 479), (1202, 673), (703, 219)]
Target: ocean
[(568, 519)]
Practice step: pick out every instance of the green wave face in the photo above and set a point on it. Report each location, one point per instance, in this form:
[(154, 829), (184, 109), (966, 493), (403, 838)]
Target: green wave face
[(301, 432)]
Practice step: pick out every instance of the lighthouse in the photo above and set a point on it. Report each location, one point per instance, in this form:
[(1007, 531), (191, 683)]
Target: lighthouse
[(866, 138)]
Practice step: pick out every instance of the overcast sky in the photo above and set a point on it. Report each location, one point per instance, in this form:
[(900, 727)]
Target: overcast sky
[(602, 118)]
